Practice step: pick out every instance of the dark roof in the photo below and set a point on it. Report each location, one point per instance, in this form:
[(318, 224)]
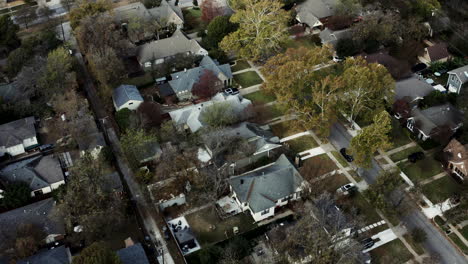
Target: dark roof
[(38, 172), (59, 255), (91, 141), (165, 89), (397, 68), (15, 132), (39, 214), (438, 51), (436, 116), (133, 255), (125, 93), (261, 188), (184, 235), (412, 88)]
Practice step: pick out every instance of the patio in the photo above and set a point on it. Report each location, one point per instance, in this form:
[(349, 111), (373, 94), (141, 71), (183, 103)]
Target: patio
[(228, 206)]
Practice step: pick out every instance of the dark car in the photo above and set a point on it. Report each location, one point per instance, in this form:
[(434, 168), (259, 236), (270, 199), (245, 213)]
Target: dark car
[(46, 147), (349, 158), (368, 243), (413, 157)]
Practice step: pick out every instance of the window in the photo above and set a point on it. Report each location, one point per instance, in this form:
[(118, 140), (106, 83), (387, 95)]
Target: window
[(130, 103), (265, 212)]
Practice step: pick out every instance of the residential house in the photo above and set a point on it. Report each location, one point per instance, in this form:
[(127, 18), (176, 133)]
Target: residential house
[(314, 13), (18, 136), (397, 68), (126, 96), (435, 53), (91, 144), (411, 91), (58, 255), (456, 156), (133, 254), (457, 79), (432, 121), (264, 190), (42, 174), (191, 117), (331, 37), (183, 81), (156, 52), (41, 215)]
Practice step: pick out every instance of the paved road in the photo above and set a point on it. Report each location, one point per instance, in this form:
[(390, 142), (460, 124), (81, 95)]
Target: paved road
[(435, 242)]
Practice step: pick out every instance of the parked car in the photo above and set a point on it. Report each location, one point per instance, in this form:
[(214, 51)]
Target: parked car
[(346, 188), (413, 157), (348, 158), (368, 242), (231, 91), (46, 147)]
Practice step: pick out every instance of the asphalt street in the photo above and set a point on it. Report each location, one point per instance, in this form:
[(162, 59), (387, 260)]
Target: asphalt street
[(435, 242)]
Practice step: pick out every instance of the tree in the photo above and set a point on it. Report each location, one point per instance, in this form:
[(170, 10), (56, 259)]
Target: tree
[(8, 30), (402, 108), (218, 28), (378, 193), (29, 238), (140, 28), (218, 115), (97, 253), (210, 10), (151, 3), (68, 4), (262, 29), (107, 68), (425, 8), (207, 86), (17, 59), (16, 195), (366, 86), (133, 141), (346, 47), (26, 14), (26, 80), (87, 8), (418, 235), (349, 7), (370, 139), (122, 117), (45, 11), (57, 76), (195, 3), (150, 114)]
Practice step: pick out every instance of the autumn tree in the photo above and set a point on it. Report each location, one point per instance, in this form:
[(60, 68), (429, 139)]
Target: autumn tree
[(378, 193), (149, 114), (370, 139), (210, 10), (97, 253), (8, 30), (134, 142), (402, 108), (262, 29), (88, 8), (207, 86), (107, 68), (218, 28), (218, 115), (58, 72), (140, 28)]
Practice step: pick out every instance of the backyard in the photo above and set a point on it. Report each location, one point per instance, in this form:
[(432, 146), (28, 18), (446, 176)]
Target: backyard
[(361, 207), (301, 144), (210, 229), (240, 65), (247, 79), (317, 166), (392, 252), (442, 189), (401, 155), (260, 97), (422, 169), (287, 128)]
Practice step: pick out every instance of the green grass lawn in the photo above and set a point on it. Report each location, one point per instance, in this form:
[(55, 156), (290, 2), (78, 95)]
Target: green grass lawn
[(302, 143), (459, 243), (361, 207), (316, 167), (416, 246), (247, 79), (332, 183), (192, 19), (391, 253), (260, 97), (401, 155), (422, 169), (307, 42), (398, 135), (240, 65), (340, 158), (210, 229), (442, 189), (287, 128), (140, 81), (275, 110)]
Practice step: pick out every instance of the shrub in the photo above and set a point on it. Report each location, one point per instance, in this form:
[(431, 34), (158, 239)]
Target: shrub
[(122, 118), (418, 235)]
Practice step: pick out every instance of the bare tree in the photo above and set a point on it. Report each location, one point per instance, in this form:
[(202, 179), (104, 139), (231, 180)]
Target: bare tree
[(26, 14)]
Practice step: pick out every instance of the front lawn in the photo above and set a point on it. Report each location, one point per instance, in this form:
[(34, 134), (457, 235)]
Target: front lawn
[(306, 42), (192, 19), (210, 229), (240, 65), (398, 134), (317, 166), (422, 169), (361, 207), (301, 144), (442, 189), (401, 155), (247, 79), (416, 246), (392, 252), (340, 158), (332, 183), (464, 232), (260, 97), (459, 243), (287, 128)]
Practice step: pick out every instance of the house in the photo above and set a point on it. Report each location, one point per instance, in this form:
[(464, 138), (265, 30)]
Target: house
[(435, 53), (331, 37), (41, 215), (92, 144), (265, 189), (314, 13), (58, 255), (182, 82), (412, 89), (397, 68), (456, 156), (191, 117), (133, 254), (431, 121), (156, 52), (42, 174), (18, 136), (126, 96), (457, 79)]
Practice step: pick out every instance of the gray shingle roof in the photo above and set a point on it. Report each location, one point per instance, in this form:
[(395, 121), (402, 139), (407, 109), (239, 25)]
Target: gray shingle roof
[(436, 116), (161, 13), (125, 93), (328, 36), (311, 11), (38, 172), (40, 214), (59, 255), (15, 132), (91, 141), (133, 255), (261, 188), (184, 80), (461, 73), (412, 88)]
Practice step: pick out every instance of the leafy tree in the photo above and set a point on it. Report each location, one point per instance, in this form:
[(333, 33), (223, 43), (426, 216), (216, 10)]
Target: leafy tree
[(107, 68), (87, 8), (418, 235), (349, 7), (379, 192), (150, 114), (132, 143), (210, 10), (262, 29), (26, 14), (97, 253), (57, 73), (29, 238), (370, 139), (207, 85), (8, 30), (218, 28), (45, 11), (437, 98), (140, 28), (122, 117), (16, 195), (218, 115), (17, 59), (425, 8), (151, 3), (346, 47)]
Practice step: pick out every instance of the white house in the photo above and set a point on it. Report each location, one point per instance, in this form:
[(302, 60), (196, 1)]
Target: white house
[(457, 79), (126, 96), (18, 136), (42, 174), (267, 188)]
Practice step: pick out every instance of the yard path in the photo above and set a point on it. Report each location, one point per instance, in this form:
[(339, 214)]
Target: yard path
[(251, 89), (459, 235), (196, 209), (433, 178), (384, 236), (395, 150)]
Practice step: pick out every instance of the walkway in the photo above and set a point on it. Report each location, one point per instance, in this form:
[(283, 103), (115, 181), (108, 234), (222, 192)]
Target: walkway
[(384, 237)]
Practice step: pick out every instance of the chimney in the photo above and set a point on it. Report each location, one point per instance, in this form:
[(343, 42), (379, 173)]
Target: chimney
[(185, 69), (242, 181)]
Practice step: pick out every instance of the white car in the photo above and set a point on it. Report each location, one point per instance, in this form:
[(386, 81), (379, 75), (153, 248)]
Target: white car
[(346, 188)]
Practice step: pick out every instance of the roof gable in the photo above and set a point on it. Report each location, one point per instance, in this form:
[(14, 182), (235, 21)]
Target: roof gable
[(13, 133), (125, 93)]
